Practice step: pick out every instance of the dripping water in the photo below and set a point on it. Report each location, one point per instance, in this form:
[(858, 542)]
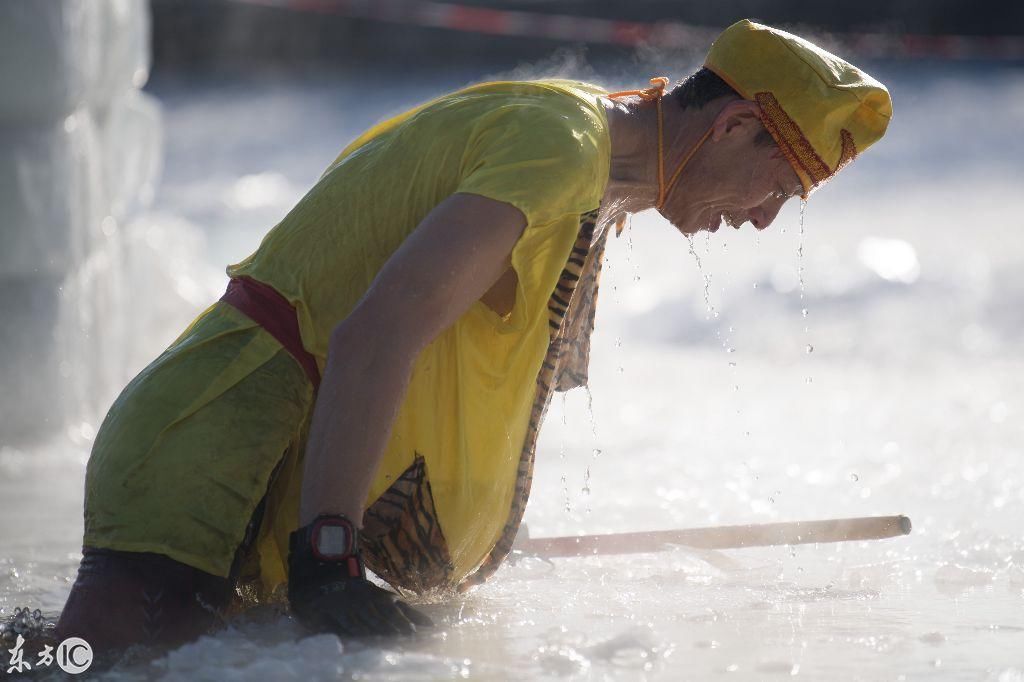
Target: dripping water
[(561, 456), (808, 348), (595, 451), (629, 250), (800, 251), (713, 312), (707, 283)]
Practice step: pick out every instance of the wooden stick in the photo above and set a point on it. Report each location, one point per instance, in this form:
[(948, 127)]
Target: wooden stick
[(719, 537)]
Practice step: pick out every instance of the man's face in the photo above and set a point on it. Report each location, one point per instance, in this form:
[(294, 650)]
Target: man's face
[(733, 179)]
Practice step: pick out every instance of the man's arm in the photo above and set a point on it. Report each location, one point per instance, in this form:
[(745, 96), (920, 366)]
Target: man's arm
[(449, 261), (452, 258)]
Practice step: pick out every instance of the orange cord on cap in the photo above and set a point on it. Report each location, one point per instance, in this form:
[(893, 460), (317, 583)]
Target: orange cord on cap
[(656, 92)]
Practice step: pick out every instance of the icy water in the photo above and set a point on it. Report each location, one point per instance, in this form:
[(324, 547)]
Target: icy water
[(912, 275)]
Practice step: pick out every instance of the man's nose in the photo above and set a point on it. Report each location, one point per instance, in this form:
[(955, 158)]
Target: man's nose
[(762, 216)]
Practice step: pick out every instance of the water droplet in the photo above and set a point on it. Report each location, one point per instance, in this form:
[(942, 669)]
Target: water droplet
[(731, 330), (803, 312), (755, 285), (730, 350), (854, 477), (732, 364), (809, 380), (810, 348)]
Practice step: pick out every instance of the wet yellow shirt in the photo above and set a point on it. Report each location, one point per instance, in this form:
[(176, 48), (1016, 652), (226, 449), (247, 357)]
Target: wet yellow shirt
[(542, 146)]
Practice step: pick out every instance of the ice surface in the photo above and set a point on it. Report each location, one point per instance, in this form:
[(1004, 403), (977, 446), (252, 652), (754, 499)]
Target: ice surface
[(50, 57), (124, 33), (131, 137), (50, 195), (80, 149), (914, 408), (58, 56)]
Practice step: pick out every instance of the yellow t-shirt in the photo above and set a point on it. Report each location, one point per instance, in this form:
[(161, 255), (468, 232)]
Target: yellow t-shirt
[(541, 146)]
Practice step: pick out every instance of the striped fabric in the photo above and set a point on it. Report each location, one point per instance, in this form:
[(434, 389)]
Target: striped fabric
[(571, 311), (402, 540)]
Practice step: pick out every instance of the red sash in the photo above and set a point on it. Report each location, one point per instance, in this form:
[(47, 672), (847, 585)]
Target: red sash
[(264, 305)]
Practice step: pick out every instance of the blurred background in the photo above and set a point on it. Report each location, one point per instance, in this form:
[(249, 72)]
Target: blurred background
[(861, 359), (220, 113)]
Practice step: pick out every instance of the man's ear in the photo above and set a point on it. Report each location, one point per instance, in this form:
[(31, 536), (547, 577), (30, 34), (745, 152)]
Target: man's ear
[(739, 115)]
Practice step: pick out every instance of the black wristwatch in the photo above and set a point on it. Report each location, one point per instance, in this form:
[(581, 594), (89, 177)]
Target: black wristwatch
[(330, 542)]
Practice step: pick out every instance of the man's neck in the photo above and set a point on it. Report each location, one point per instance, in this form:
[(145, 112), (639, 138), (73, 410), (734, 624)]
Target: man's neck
[(633, 125)]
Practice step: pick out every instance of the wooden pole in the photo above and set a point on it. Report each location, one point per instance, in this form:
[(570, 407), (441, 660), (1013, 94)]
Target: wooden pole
[(719, 537)]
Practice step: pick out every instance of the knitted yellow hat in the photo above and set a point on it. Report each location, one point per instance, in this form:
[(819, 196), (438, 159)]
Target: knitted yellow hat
[(821, 110)]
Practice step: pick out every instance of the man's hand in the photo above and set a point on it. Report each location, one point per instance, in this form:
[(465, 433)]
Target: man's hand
[(328, 590)]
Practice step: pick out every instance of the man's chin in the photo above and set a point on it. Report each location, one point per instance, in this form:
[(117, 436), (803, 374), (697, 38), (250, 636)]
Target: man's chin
[(691, 230), (698, 224)]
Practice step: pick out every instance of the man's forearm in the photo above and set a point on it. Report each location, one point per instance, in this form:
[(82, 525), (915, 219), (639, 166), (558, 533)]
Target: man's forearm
[(435, 275), (364, 382)]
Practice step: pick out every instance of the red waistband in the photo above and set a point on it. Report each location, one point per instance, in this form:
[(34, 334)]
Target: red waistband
[(272, 311)]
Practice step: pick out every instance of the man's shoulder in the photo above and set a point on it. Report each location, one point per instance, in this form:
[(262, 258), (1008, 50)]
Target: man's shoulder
[(564, 116), (571, 100)]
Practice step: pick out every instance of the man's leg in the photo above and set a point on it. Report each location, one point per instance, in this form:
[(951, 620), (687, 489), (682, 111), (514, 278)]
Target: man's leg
[(124, 598)]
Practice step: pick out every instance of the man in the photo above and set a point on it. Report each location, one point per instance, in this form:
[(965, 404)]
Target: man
[(377, 372)]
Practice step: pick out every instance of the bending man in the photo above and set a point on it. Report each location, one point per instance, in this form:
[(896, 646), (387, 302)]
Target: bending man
[(369, 390)]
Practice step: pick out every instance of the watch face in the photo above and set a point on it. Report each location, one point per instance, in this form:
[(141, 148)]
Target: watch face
[(332, 540)]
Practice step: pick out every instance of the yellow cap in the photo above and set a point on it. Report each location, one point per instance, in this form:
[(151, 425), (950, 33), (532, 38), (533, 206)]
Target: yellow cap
[(821, 110)]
